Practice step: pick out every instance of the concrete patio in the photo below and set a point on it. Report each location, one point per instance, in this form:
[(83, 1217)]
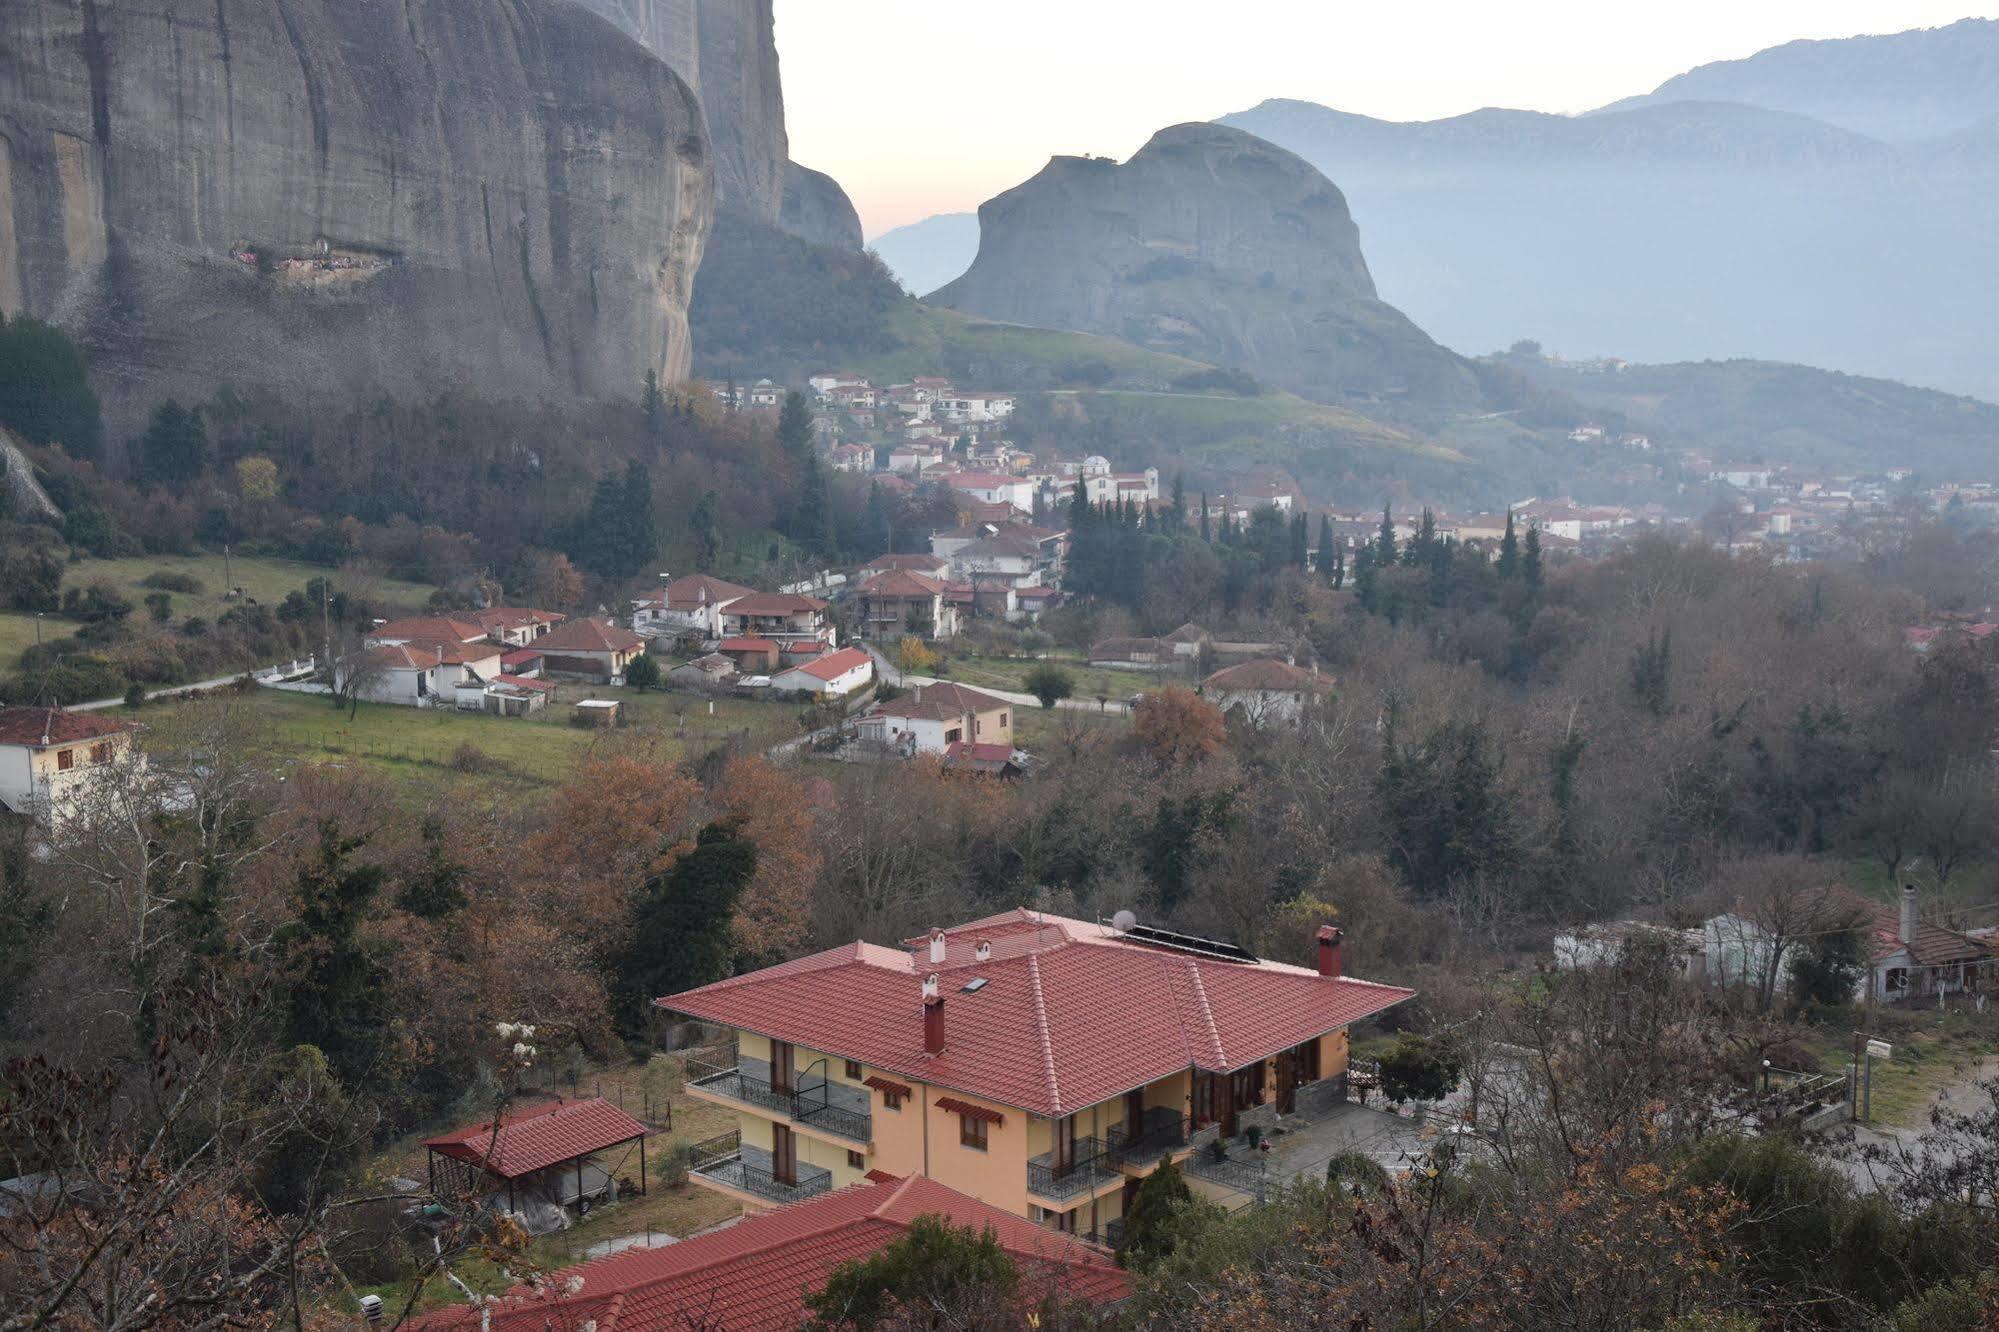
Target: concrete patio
[(1300, 1146)]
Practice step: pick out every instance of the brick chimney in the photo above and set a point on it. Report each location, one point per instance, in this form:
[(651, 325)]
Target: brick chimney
[(983, 951), (937, 946), (1908, 931), (933, 1017), (1329, 950)]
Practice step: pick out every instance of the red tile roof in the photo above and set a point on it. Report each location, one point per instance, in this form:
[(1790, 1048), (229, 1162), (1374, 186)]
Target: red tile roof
[(407, 656), (775, 603), (977, 755), (693, 592), (526, 682), (952, 1105), (753, 1276), (1071, 1014), (834, 664), (1270, 676), (539, 1137), (1932, 946), (437, 628), (519, 657), (938, 702), (589, 635), (902, 583), (512, 617), (36, 727)]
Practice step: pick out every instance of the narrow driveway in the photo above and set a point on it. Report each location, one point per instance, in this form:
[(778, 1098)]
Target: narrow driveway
[(886, 669)]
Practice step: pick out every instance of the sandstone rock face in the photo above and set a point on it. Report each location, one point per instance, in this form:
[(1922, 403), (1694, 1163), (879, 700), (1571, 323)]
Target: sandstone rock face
[(346, 195), (727, 52), (1208, 243), (816, 209)]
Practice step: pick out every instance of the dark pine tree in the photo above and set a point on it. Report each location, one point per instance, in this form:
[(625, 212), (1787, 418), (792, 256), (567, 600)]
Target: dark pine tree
[(1509, 550)]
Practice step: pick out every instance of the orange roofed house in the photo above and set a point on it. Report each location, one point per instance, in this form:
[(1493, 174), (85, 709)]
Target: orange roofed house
[(754, 1276), (1041, 1064)]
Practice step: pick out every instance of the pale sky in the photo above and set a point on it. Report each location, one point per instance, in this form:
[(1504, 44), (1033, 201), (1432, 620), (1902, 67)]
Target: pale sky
[(932, 106)]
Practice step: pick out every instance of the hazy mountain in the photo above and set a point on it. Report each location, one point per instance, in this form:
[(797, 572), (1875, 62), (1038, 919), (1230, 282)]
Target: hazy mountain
[(925, 255), (1212, 244), (1675, 231), (1913, 85)]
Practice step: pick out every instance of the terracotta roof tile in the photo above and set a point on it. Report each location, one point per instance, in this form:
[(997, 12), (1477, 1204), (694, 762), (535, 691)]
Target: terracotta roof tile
[(36, 727), (753, 1276), (1269, 675), (539, 1137), (589, 635), (1071, 1014)]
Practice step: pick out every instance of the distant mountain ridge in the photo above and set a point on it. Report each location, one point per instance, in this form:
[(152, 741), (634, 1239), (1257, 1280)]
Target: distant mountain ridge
[(1665, 229), (1898, 87)]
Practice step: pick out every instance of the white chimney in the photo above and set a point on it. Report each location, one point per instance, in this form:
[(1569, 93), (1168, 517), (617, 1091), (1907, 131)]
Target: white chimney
[(937, 945), (983, 952), (930, 986), (1908, 931)]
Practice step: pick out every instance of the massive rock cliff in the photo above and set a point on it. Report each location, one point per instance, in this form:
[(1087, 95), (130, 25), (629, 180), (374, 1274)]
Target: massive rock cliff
[(727, 52), (1212, 244), (816, 209), (334, 195)]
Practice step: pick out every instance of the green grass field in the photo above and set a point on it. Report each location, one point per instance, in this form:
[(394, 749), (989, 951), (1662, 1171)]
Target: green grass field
[(424, 746), (265, 580)]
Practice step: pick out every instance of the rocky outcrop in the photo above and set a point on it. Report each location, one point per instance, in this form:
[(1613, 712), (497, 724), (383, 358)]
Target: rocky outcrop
[(727, 52), (21, 495), (504, 195), (816, 209), (1209, 243)]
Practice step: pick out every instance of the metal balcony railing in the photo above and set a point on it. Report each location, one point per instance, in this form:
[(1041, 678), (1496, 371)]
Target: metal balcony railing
[(1160, 1133), (750, 1169), (1241, 1171), (811, 1105), (1088, 1168)]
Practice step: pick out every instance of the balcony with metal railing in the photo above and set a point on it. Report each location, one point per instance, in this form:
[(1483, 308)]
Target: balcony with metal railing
[(815, 1103), (726, 1162), (1161, 1133), (1087, 1170)]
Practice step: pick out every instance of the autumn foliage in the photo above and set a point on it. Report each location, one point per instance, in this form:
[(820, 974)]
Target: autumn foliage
[(1179, 726)]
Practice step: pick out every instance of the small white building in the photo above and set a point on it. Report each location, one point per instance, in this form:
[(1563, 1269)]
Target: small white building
[(48, 755), (994, 488), (833, 675), (693, 604), (930, 718), (1266, 691), (399, 674)]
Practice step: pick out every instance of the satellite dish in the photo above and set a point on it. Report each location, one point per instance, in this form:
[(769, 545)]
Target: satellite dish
[(1123, 921)]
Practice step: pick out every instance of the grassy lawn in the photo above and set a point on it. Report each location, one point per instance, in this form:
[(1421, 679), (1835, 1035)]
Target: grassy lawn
[(1011, 673), (265, 580), (422, 745), (1046, 734), (1933, 1051), (17, 634)]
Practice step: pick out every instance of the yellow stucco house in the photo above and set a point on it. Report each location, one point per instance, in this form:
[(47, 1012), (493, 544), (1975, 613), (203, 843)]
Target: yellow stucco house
[(1041, 1064), (49, 755)]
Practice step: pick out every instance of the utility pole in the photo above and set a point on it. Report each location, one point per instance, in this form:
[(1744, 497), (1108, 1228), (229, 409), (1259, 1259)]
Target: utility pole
[(326, 631), (228, 577)]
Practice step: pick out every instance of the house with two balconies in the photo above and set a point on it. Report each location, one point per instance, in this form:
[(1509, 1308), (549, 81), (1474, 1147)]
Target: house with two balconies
[(1041, 1064)]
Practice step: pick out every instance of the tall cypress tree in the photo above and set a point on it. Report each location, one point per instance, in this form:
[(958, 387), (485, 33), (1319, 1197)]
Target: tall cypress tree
[(1509, 550), (1179, 506), (1530, 567), (1327, 555), (1384, 541), (794, 426), (680, 924), (1204, 517)]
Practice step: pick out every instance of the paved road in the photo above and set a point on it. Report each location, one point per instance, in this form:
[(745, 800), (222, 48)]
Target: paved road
[(888, 672), (175, 691)]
